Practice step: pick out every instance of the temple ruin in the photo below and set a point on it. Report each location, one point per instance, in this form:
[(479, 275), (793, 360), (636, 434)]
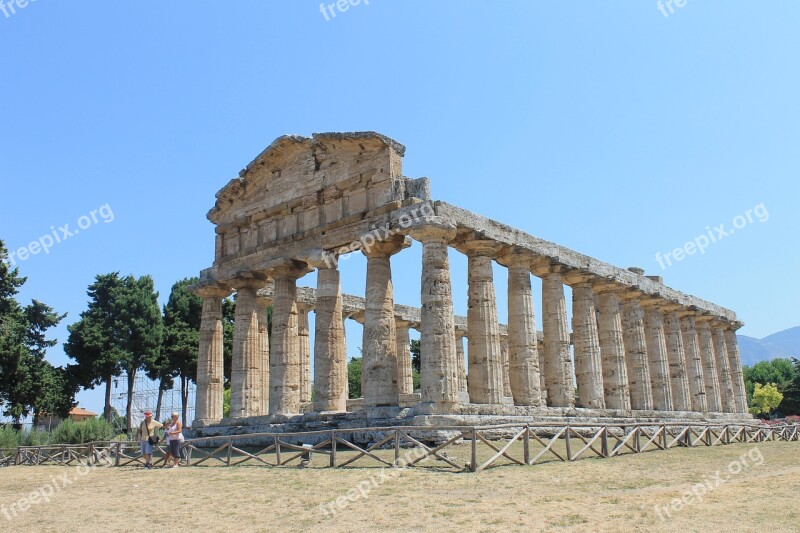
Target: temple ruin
[(635, 349)]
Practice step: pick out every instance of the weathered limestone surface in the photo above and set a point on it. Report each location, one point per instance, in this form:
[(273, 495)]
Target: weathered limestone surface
[(557, 362), (735, 366), (330, 350), (304, 347), (210, 378), (710, 375), (523, 353), (284, 379), (723, 369), (307, 201), (380, 335), (461, 363), (694, 364), (262, 308), (588, 366), (485, 378), (612, 349), (636, 358), (657, 353), (405, 377), (438, 365), (681, 399), (246, 378)]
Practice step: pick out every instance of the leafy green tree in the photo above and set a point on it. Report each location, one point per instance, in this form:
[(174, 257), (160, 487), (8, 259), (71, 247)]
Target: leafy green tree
[(416, 361), (29, 384), (779, 371), (791, 394), (182, 316), (765, 399), (121, 330), (354, 377), (93, 341)]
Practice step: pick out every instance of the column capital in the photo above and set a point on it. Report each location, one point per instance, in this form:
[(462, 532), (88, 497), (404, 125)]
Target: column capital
[(288, 269), (386, 248), (434, 232), (211, 291), (250, 280), (478, 247), (517, 257), (548, 265), (409, 324)]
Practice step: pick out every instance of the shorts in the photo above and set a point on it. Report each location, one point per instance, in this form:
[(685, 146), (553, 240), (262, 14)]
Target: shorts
[(175, 448), (147, 448)]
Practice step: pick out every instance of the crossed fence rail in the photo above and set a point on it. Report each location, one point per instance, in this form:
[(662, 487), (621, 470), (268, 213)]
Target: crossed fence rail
[(485, 446)]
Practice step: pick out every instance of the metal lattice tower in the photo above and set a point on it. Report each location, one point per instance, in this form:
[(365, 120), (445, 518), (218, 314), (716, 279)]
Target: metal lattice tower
[(145, 398)]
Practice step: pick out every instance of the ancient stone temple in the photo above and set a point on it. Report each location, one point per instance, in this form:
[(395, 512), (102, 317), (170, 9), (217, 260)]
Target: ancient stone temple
[(635, 348)]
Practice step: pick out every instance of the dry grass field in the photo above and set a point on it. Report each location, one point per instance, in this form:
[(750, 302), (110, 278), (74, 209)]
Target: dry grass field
[(628, 493)]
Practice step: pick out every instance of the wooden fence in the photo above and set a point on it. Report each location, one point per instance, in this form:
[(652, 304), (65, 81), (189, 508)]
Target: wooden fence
[(461, 449)]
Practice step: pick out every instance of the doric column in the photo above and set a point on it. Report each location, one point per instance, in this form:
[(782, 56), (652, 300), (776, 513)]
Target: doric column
[(460, 363), (379, 363), (710, 376), (586, 341), (735, 364), (504, 362), (247, 356), (558, 374), (658, 358), (284, 378), (523, 352), (330, 349), (485, 378), (210, 360), (679, 381), (304, 349), (612, 350), (694, 364), (636, 358), (262, 308), (438, 365), (405, 378), (723, 368)]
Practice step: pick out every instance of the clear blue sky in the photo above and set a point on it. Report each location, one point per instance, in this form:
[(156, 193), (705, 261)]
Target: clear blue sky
[(603, 126)]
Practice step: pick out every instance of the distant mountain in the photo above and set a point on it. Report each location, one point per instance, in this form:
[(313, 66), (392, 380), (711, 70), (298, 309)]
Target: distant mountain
[(782, 344)]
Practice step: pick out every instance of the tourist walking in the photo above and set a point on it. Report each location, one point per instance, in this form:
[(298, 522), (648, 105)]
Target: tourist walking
[(168, 450), (148, 437)]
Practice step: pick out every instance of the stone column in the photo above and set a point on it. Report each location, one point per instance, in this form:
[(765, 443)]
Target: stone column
[(679, 381), (735, 365), (330, 349), (262, 308), (210, 369), (612, 350), (585, 338), (557, 368), (658, 359), (710, 376), (485, 378), (460, 363), (523, 352), (284, 379), (723, 369), (304, 348), (247, 356), (405, 378), (504, 360), (694, 364), (636, 358), (379, 363), (439, 365)]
